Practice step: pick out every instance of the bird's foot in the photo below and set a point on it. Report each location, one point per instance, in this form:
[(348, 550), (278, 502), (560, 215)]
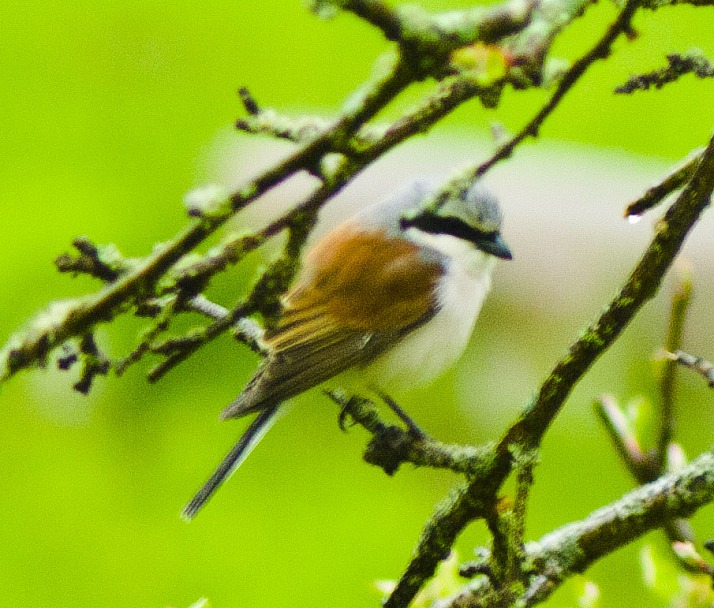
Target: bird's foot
[(344, 419), (354, 410), (414, 430)]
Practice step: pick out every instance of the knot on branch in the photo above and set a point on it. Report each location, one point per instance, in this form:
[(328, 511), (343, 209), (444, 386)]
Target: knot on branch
[(426, 40), (94, 362), (389, 448), (210, 201), (103, 262)]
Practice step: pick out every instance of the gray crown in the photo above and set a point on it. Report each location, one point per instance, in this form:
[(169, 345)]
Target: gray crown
[(476, 206)]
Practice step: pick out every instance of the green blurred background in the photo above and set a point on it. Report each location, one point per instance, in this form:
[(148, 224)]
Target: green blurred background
[(111, 111)]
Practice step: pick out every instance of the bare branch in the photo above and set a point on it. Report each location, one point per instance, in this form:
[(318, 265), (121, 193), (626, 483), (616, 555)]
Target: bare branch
[(76, 317), (470, 501), (133, 286), (575, 547), (681, 297), (675, 180), (693, 62), (599, 51), (703, 367)]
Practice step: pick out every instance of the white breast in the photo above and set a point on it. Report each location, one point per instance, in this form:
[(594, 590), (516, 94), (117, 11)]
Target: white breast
[(429, 350)]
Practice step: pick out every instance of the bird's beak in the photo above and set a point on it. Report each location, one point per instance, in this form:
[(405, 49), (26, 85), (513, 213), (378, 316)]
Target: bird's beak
[(496, 246)]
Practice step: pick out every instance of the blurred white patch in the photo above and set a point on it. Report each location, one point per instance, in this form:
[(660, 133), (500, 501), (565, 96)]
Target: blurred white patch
[(205, 199), (480, 378), (55, 399)]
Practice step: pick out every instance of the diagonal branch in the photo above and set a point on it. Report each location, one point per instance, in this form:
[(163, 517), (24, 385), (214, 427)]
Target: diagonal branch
[(693, 62), (640, 287), (468, 502), (675, 180), (599, 51)]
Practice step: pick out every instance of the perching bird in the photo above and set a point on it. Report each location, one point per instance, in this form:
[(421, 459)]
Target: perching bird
[(390, 297)]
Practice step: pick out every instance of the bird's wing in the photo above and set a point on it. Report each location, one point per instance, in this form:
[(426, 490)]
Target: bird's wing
[(358, 295)]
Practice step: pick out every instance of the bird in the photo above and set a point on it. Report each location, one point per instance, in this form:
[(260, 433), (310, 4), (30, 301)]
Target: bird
[(387, 298)]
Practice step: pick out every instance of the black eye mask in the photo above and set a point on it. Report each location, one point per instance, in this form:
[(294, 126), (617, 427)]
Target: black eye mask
[(489, 242)]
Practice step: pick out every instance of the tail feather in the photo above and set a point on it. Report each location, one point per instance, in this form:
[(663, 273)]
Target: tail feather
[(251, 398), (240, 451)]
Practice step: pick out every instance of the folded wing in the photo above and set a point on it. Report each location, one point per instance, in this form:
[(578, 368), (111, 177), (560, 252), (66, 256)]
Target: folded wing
[(359, 294)]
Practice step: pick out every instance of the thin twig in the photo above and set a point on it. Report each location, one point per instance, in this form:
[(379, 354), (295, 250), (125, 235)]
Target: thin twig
[(94, 363), (525, 463), (599, 51), (701, 366), (378, 14), (681, 298), (622, 437), (180, 349), (244, 329), (149, 335), (675, 180), (644, 468), (249, 103), (693, 62)]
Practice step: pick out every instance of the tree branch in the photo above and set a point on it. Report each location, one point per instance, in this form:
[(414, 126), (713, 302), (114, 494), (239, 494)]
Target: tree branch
[(469, 501), (574, 547), (640, 287), (599, 51), (646, 508), (681, 298), (693, 62), (701, 366), (675, 180), (70, 318)]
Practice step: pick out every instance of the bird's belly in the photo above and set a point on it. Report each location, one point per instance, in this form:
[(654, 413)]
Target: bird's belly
[(425, 353)]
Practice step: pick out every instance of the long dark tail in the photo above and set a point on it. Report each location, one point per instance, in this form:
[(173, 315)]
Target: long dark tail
[(240, 451)]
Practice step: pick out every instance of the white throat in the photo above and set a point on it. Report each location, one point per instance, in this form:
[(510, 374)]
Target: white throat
[(429, 350)]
